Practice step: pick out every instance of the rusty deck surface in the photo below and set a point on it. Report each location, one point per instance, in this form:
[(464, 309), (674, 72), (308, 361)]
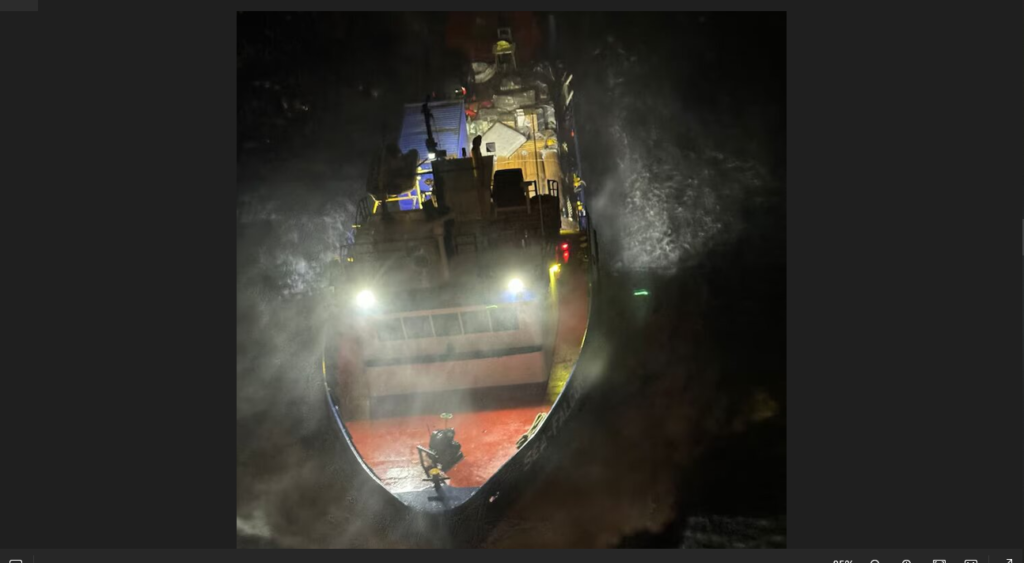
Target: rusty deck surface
[(487, 430)]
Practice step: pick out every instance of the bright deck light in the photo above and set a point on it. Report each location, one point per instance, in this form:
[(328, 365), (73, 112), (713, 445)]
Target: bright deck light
[(365, 299)]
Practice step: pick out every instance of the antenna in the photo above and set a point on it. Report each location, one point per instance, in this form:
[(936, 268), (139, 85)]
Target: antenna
[(427, 118)]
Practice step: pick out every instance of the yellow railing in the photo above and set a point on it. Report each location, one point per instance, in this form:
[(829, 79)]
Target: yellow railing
[(414, 194)]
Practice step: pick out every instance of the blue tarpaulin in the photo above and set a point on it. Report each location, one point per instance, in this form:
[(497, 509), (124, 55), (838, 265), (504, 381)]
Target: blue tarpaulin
[(449, 129)]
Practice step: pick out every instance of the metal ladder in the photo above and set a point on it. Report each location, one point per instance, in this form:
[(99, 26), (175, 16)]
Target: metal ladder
[(364, 208)]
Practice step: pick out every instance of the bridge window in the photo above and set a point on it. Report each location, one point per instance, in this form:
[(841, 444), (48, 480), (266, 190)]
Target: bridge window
[(475, 322), (447, 324), (504, 318), (390, 330), (418, 327)]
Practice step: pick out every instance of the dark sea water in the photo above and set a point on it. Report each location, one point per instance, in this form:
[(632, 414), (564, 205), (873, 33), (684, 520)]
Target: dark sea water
[(682, 127)]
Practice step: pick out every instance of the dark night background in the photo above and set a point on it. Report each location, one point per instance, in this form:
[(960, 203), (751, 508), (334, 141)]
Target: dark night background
[(681, 118)]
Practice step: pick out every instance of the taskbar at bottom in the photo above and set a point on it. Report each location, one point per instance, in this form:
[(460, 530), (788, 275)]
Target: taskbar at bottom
[(691, 555)]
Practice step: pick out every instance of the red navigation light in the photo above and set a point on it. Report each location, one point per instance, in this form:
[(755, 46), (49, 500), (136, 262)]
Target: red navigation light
[(565, 257), (565, 245)]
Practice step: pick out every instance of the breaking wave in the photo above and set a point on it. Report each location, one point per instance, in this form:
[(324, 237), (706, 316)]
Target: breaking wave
[(288, 237), (671, 195)]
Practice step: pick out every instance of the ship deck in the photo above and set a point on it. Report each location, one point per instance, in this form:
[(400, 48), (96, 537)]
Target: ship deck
[(487, 422)]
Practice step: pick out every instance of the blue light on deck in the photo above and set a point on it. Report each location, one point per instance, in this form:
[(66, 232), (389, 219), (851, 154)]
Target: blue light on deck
[(507, 296)]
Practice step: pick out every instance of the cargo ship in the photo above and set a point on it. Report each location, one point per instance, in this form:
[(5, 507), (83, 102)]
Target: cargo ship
[(463, 286)]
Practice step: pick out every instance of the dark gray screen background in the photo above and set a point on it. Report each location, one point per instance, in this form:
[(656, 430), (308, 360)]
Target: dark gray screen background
[(19, 5)]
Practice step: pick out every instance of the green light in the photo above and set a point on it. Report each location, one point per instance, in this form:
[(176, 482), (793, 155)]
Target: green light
[(640, 292)]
